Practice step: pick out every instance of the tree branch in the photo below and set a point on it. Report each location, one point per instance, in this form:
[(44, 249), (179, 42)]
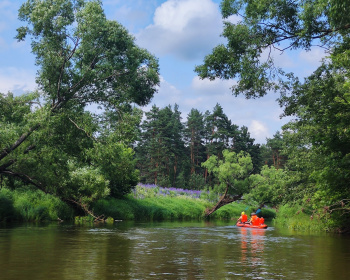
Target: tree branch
[(91, 137), (20, 140), (76, 43), (25, 178)]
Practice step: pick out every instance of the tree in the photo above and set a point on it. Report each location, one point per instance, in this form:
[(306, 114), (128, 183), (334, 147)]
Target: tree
[(276, 146), (243, 142), (220, 131), (177, 142), (83, 59), (268, 187), (267, 25), (319, 139), (230, 172), (150, 148), (161, 147), (194, 133)]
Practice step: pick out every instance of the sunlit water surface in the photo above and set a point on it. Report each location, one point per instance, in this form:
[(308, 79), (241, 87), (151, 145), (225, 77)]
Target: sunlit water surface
[(169, 250)]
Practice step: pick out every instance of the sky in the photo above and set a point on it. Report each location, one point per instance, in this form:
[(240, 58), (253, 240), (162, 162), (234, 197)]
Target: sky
[(179, 33)]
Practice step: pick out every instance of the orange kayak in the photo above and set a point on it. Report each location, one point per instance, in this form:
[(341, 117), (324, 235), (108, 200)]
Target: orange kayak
[(250, 226)]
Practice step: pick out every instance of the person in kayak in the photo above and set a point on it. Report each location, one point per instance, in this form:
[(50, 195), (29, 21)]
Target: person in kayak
[(254, 220), (243, 218)]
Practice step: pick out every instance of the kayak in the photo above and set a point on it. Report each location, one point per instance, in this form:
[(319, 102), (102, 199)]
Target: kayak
[(248, 225)]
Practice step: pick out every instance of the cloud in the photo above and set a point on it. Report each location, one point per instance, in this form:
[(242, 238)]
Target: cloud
[(188, 29), (259, 131), (234, 19), (16, 80)]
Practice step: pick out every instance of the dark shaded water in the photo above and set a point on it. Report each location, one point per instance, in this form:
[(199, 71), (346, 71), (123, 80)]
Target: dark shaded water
[(169, 251)]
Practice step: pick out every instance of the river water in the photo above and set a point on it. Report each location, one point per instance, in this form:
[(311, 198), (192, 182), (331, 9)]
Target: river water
[(169, 250)]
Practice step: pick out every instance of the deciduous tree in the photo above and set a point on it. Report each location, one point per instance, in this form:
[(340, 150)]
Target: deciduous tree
[(230, 171), (50, 139)]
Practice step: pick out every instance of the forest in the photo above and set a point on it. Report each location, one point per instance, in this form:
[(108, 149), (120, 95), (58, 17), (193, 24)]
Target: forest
[(51, 141)]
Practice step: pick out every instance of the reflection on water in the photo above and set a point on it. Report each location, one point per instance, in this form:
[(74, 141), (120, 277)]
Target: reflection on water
[(169, 251), (252, 249)]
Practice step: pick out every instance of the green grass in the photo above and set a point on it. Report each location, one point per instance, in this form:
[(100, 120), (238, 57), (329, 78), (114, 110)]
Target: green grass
[(297, 218), (27, 204), (152, 208), (169, 208)]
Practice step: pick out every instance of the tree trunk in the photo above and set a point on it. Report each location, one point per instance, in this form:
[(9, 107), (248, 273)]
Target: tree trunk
[(224, 200)]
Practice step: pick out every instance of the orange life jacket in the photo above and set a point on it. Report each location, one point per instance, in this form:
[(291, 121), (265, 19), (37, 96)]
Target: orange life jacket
[(244, 218), (255, 221)]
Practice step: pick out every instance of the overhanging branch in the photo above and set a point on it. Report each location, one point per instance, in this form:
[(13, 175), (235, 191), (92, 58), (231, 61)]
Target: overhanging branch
[(5, 152)]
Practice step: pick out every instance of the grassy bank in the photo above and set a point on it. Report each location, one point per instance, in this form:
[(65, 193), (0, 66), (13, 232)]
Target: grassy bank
[(27, 204), (299, 218), (151, 202), (146, 203), (169, 208)]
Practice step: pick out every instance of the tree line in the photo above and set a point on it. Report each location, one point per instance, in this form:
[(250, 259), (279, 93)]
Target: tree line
[(171, 152)]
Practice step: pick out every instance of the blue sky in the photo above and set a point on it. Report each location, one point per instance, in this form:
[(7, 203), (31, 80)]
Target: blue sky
[(180, 33)]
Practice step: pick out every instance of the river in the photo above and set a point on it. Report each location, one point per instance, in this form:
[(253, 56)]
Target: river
[(169, 250)]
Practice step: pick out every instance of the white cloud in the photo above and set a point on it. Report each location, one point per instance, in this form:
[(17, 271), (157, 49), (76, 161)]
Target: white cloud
[(259, 131), (177, 15), (16, 80), (234, 19), (188, 29)]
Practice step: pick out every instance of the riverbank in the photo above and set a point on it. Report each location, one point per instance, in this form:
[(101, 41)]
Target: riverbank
[(299, 218), (169, 209), (146, 203), (151, 203)]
